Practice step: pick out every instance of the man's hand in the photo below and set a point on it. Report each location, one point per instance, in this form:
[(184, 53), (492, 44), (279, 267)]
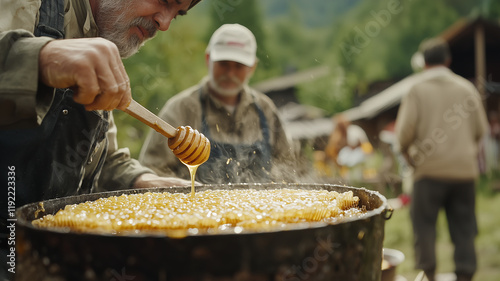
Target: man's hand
[(92, 66), (151, 180)]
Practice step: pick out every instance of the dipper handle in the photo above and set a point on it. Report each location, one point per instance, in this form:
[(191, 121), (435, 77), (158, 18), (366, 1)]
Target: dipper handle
[(147, 117), (190, 146)]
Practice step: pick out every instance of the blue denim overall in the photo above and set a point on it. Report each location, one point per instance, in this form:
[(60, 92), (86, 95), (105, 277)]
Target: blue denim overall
[(236, 163)]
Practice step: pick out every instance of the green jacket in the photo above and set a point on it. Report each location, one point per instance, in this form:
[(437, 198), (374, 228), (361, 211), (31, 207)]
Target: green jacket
[(28, 110)]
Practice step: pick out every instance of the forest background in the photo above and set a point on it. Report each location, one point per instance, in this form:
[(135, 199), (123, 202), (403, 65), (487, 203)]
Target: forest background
[(360, 41)]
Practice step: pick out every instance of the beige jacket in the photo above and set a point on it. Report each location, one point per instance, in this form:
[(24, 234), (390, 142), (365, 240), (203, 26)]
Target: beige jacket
[(440, 124), (242, 127), (24, 102)]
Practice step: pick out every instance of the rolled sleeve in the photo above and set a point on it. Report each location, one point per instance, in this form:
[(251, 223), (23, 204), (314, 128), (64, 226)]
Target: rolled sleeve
[(19, 53)]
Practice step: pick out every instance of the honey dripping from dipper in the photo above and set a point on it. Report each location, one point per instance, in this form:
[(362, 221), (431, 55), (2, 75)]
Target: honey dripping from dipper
[(192, 148)]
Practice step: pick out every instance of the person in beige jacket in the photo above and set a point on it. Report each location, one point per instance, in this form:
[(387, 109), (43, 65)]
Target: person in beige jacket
[(61, 74), (439, 126), (248, 140)]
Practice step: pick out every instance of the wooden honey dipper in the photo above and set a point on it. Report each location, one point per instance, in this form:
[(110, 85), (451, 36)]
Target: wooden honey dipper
[(189, 145)]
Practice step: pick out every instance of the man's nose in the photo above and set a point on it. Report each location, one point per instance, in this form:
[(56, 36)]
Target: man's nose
[(164, 18), (231, 70)]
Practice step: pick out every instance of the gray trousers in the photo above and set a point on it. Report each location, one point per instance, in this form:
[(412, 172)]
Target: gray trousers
[(458, 201)]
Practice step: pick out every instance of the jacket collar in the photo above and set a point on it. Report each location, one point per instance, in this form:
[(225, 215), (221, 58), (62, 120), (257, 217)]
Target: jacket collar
[(83, 24), (437, 70)]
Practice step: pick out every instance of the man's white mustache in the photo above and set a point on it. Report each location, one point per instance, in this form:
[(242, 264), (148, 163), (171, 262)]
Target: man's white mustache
[(229, 78), (149, 26)]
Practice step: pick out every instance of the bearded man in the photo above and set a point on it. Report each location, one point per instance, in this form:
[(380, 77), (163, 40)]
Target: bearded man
[(57, 135), (248, 141)]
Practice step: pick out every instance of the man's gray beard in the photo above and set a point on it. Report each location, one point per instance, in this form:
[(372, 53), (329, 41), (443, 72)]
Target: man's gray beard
[(111, 20)]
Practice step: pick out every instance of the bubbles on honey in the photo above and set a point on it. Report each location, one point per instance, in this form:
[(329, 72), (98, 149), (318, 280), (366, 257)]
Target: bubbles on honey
[(210, 211)]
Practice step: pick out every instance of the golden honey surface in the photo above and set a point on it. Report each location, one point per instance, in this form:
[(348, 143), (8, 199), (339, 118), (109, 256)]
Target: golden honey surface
[(212, 210)]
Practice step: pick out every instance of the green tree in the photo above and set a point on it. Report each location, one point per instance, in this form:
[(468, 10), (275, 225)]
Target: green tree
[(315, 13), (296, 47), (377, 40), (491, 9)]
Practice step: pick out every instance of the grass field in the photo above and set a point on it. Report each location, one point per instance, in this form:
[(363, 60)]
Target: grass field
[(398, 235)]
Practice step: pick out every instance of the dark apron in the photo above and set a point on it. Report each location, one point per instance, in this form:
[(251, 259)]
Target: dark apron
[(50, 159), (236, 163)]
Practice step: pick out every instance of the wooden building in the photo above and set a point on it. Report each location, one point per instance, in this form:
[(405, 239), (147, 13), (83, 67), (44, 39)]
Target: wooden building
[(301, 121)]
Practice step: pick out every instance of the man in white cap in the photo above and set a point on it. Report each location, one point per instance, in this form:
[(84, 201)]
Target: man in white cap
[(247, 138)]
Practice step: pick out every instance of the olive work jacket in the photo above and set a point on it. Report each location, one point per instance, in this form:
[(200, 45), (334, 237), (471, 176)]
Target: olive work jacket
[(55, 147)]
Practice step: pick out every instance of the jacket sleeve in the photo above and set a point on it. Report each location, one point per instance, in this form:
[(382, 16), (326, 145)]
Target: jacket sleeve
[(284, 160), (481, 125), (120, 170), (283, 149), (19, 101)]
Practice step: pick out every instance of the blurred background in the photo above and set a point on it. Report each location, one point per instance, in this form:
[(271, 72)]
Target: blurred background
[(341, 51), (357, 58)]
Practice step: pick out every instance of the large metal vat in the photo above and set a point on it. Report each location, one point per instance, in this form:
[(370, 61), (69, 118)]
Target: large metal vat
[(351, 250)]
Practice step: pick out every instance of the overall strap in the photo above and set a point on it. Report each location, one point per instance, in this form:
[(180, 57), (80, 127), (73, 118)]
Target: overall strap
[(51, 19)]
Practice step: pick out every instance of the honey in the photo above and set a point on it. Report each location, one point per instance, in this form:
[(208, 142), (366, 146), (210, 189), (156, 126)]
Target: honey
[(192, 173), (210, 211)]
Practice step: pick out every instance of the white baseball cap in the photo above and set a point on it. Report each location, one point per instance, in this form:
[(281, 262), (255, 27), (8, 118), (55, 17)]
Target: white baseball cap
[(233, 42)]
